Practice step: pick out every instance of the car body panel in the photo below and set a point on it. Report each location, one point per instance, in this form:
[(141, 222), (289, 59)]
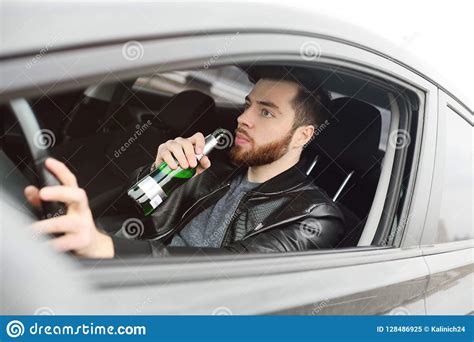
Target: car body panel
[(449, 253), (208, 18), (450, 290)]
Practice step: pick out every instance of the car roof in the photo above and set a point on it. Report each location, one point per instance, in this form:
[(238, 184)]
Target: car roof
[(31, 26)]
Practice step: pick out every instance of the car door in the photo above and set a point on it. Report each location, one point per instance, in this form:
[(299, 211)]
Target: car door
[(386, 273), (447, 241)]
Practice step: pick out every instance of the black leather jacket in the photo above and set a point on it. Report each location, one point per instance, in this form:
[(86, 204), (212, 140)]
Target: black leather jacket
[(289, 214)]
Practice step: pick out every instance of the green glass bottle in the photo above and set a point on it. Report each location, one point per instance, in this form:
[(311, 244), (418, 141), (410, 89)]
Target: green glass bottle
[(150, 191)]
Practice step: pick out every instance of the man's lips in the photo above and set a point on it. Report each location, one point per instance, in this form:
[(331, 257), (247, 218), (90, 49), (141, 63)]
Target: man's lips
[(241, 139)]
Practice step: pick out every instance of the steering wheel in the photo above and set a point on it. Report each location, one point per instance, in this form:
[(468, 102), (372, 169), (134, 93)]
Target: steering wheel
[(30, 127)]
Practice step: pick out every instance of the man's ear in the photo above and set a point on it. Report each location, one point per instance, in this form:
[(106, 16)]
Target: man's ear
[(303, 135)]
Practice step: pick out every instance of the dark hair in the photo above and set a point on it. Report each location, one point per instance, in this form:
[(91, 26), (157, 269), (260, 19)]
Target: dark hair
[(312, 103)]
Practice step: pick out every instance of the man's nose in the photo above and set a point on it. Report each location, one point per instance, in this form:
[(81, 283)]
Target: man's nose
[(245, 119)]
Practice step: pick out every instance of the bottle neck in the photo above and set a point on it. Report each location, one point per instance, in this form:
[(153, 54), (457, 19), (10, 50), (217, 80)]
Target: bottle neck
[(210, 142)]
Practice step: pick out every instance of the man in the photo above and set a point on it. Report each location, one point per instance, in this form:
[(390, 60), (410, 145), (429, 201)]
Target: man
[(259, 202)]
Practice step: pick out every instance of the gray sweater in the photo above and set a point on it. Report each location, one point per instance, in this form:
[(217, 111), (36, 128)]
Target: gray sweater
[(207, 229)]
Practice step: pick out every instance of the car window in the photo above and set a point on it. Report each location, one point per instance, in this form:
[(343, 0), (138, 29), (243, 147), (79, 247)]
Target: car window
[(227, 85), (106, 132), (455, 219)]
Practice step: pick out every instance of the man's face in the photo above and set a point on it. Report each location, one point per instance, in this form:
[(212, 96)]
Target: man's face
[(264, 129)]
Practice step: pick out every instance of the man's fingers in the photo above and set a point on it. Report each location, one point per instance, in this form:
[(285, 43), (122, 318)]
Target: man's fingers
[(32, 195), (188, 149), (61, 172), (177, 150), (198, 141), (181, 151), (60, 224), (159, 158), (205, 162), (65, 194), (64, 243), (203, 165), (168, 159)]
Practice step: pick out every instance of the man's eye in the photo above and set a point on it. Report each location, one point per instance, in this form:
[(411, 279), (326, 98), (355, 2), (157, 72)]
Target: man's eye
[(266, 113), (247, 105)]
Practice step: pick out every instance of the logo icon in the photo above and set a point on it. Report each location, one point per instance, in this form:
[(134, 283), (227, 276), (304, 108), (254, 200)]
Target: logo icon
[(44, 139), (400, 139), (310, 51), (225, 140), (15, 328), (222, 311), (133, 50), (133, 228)]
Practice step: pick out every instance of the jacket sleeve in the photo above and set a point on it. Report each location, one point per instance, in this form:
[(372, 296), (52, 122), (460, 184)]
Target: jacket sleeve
[(309, 233)]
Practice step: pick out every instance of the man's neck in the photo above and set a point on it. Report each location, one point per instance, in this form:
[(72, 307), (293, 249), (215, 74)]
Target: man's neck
[(260, 174)]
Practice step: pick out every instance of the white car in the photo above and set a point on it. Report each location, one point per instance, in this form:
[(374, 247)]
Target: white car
[(79, 86)]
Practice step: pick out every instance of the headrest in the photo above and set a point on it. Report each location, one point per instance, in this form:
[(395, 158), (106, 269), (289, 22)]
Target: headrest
[(351, 136), (187, 113)]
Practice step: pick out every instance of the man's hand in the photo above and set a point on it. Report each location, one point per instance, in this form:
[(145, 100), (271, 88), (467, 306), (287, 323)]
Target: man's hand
[(184, 150), (80, 233)]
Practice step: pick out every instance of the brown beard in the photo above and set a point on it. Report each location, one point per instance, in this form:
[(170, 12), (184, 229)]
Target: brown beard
[(262, 155)]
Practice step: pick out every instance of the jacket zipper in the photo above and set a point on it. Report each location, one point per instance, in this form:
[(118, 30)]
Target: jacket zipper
[(260, 228)]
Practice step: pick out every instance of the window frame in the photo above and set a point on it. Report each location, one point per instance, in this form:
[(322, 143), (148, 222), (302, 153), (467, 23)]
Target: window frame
[(375, 64), (446, 103)]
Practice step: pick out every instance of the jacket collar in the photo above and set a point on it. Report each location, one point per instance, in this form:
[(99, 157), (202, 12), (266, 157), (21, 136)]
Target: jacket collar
[(291, 178)]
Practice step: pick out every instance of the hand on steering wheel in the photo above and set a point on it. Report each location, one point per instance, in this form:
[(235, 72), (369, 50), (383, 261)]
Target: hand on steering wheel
[(77, 228), (75, 231)]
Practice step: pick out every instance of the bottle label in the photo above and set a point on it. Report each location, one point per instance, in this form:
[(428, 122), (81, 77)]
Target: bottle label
[(152, 190), (156, 201)]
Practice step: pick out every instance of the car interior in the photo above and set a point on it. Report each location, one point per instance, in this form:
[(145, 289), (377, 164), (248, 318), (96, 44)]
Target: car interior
[(95, 133)]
